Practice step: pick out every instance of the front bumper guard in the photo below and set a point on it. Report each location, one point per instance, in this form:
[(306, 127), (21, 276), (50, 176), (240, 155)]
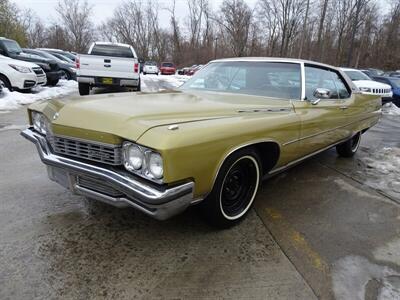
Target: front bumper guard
[(159, 202)]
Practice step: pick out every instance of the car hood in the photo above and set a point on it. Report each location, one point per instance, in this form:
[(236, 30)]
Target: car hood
[(31, 58), (371, 84), (130, 115), (16, 62)]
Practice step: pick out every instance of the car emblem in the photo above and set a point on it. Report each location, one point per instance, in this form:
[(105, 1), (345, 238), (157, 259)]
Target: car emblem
[(56, 116)]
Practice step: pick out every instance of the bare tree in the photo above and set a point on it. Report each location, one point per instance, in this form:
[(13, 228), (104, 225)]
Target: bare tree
[(268, 17), (75, 16), (356, 22), (235, 20)]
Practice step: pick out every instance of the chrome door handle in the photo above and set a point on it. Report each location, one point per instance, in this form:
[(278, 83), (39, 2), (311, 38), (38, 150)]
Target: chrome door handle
[(343, 107)]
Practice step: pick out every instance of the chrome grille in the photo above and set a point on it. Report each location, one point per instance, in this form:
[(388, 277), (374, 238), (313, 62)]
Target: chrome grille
[(98, 186), (104, 153)]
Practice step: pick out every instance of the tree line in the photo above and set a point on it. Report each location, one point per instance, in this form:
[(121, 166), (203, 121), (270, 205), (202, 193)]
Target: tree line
[(354, 33)]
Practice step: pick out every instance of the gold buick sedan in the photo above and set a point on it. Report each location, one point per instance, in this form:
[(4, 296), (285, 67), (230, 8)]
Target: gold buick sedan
[(209, 143)]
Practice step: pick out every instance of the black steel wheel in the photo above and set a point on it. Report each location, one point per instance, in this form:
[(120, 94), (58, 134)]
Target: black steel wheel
[(350, 147), (234, 190)]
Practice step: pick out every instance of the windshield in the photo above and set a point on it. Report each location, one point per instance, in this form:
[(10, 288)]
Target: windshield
[(168, 65), (12, 46), (395, 82), (62, 57), (150, 63), (357, 75), (43, 54), (270, 79)]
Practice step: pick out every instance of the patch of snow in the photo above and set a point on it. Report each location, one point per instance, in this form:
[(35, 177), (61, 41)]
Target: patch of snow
[(13, 127), (158, 83), (391, 109), (351, 274), (383, 170), (13, 100), (389, 252)]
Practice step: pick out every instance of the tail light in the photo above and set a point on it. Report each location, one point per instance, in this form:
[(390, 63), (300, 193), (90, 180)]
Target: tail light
[(136, 68), (77, 63)]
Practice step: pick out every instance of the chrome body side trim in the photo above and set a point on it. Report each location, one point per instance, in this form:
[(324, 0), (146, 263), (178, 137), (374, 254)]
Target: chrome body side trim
[(299, 160), (158, 201), (325, 131)]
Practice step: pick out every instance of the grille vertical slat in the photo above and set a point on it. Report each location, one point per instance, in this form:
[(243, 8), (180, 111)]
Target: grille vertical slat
[(108, 154)]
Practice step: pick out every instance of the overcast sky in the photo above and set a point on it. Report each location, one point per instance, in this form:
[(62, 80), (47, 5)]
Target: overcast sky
[(103, 9)]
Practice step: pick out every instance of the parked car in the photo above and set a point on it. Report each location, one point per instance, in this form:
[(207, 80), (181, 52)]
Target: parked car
[(394, 82), (62, 57), (372, 72), (141, 64), (150, 67), (209, 143), (68, 70), (69, 55), (11, 48), (368, 86), (167, 68), (20, 75), (192, 71), (392, 74), (183, 71), (108, 64)]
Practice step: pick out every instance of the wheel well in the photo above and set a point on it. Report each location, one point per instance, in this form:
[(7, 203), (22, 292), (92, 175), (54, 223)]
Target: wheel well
[(269, 153), (6, 78)]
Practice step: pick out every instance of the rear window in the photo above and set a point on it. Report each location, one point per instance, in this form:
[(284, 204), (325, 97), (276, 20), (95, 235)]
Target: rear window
[(112, 50), (168, 65), (150, 63)]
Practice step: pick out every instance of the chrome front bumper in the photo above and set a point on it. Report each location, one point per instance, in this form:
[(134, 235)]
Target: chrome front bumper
[(159, 202)]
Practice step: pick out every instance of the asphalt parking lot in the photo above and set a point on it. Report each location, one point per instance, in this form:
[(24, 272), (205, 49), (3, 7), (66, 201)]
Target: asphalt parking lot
[(329, 228)]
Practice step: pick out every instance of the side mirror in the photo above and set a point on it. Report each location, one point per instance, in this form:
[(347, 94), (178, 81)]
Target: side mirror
[(322, 93)]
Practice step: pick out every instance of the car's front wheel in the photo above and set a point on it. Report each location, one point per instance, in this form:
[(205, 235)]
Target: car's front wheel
[(234, 190), (349, 147), (5, 82)]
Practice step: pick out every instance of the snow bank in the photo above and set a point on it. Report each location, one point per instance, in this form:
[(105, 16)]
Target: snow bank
[(157, 83), (13, 100), (391, 109)]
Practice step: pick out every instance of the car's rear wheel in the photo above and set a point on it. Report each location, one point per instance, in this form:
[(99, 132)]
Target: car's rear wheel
[(350, 147), (235, 189), (84, 89), (52, 82), (138, 88), (5, 82)]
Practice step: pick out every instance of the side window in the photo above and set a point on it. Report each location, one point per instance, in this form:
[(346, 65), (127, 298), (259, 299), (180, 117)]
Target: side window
[(320, 78), (341, 86)]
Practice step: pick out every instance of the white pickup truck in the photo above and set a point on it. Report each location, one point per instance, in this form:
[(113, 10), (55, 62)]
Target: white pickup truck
[(108, 64)]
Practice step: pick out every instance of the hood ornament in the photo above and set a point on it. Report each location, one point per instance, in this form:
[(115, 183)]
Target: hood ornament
[(56, 115), (173, 127)]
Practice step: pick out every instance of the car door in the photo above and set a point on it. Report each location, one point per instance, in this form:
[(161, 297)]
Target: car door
[(323, 121)]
